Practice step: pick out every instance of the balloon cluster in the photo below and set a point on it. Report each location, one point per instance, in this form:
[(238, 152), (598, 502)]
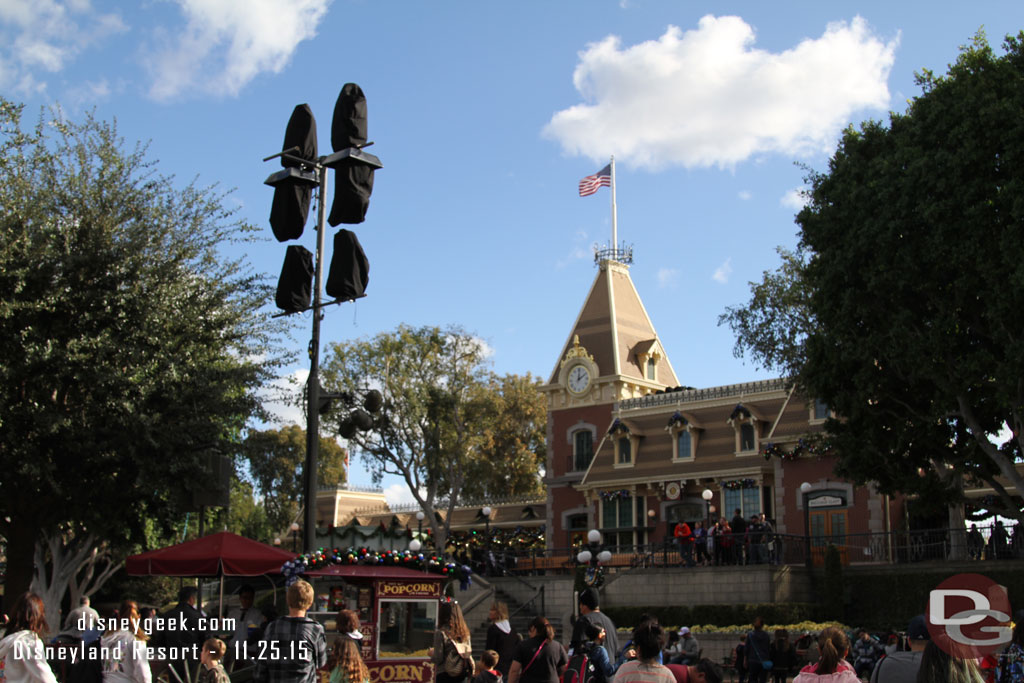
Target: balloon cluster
[(324, 557)]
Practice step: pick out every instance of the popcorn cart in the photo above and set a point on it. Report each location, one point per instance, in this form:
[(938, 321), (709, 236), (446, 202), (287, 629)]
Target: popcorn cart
[(397, 610)]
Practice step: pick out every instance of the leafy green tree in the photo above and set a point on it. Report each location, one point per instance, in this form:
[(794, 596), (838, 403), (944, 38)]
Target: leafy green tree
[(276, 459), (131, 349), (444, 416), (512, 446), (902, 307)]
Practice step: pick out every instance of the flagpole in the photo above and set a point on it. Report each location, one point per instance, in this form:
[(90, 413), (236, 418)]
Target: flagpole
[(615, 230)]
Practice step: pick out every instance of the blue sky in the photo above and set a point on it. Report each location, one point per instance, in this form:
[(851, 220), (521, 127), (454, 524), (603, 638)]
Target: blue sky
[(486, 115)]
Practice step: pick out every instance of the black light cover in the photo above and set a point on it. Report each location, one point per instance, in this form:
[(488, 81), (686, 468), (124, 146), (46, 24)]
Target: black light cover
[(295, 287), (290, 209), (353, 180), (350, 269)]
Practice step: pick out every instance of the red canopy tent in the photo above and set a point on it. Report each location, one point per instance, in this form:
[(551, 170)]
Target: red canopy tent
[(220, 554)]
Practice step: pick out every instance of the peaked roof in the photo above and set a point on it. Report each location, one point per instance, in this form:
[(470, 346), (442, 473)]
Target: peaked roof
[(613, 326)]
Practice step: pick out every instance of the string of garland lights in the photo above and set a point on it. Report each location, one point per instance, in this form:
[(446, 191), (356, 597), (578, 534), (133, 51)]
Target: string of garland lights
[(323, 557), (819, 446), (735, 484)]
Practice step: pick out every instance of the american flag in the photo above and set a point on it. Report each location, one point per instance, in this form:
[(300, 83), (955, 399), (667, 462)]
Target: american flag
[(589, 185)]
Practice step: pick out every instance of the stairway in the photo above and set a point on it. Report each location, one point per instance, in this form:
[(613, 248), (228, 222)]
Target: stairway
[(520, 621)]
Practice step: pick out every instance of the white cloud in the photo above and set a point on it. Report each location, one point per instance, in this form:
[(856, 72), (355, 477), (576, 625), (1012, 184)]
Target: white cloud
[(723, 272), (708, 97), (745, 195), (794, 199), (43, 36), (667, 277), (227, 43), (281, 399), (398, 494)]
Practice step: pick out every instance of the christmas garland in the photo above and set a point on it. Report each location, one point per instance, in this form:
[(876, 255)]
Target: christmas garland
[(323, 557), (817, 446), (677, 419), (615, 495), (736, 484)]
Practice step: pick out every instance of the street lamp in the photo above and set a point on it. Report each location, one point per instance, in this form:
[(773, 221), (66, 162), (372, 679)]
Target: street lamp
[(707, 495), (805, 490), (277, 541), (295, 536), (420, 516), (486, 512)]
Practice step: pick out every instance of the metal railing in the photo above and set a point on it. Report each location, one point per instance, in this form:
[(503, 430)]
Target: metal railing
[(895, 547)]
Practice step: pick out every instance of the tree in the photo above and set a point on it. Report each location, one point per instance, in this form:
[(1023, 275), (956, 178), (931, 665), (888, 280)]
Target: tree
[(902, 306), (276, 462), (131, 349), (512, 446), (444, 415)]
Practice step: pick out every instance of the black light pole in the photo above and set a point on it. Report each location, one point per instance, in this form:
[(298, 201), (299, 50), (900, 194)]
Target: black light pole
[(303, 169), (805, 489), (707, 495), (295, 536)]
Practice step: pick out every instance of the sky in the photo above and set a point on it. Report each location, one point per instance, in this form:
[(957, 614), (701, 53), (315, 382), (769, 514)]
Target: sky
[(486, 116)]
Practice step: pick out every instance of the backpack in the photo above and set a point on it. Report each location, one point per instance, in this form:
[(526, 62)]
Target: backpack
[(457, 663), (579, 670)]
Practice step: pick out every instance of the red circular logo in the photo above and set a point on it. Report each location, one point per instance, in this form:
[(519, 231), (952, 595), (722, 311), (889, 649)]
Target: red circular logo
[(969, 616)]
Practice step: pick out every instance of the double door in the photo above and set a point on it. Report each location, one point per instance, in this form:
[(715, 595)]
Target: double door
[(828, 527)]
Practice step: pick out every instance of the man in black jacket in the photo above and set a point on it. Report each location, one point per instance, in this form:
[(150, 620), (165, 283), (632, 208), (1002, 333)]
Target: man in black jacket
[(185, 633), (739, 535)]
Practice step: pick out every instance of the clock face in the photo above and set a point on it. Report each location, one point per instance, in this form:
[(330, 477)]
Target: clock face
[(579, 379)]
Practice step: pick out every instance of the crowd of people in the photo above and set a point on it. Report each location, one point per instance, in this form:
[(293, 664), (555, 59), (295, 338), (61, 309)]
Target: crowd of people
[(736, 541), (593, 654)]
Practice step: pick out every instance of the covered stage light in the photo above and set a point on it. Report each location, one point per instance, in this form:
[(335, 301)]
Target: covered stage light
[(295, 286), (350, 269), (353, 167), (293, 187)]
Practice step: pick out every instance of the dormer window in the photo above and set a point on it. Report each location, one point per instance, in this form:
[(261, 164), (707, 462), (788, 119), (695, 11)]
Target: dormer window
[(745, 425), (684, 437), (652, 369), (648, 355), (820, 411), (626, 443)]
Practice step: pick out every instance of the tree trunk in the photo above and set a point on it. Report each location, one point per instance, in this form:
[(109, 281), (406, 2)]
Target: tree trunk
[(958, 532), (21, 544)]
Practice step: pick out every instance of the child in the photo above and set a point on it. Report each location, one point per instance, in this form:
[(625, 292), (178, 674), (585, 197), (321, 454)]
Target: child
[(490, 674), (739, 658), (346, 664), (212, 669)]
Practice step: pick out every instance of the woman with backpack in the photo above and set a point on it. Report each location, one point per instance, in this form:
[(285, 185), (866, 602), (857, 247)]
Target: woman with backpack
[(452, 653), (539, 658)]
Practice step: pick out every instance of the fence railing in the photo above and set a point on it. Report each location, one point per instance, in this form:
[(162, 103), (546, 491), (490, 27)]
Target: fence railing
[(989, 543)]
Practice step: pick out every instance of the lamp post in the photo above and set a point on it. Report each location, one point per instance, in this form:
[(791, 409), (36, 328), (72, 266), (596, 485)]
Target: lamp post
[(420, 516), (805, 490), (277, 541), (294, 528), (707, 495), (486, 512)]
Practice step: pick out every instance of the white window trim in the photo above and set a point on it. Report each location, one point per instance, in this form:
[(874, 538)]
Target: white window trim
[(817, 420), (634, 447), (736, 423), (674, 430)]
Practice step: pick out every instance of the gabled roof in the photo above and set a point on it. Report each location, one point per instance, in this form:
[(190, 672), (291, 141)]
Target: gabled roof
[(613, 327)]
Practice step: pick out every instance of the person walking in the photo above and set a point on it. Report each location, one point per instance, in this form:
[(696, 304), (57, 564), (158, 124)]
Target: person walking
[(21, 651), (346, 664), (501, 637), (590, 612), (452, 653), (758, 646), (539, 658), (783, 656), (125, 659)]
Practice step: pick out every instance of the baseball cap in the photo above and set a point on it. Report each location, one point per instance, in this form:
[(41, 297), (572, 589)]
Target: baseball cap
[(683, 631), (918, 628)]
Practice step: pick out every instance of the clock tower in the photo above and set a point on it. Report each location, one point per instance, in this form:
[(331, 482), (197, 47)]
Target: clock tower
[(612, 353)]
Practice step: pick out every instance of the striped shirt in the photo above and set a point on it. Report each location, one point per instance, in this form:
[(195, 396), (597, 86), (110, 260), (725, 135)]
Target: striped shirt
[(638, 672)]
